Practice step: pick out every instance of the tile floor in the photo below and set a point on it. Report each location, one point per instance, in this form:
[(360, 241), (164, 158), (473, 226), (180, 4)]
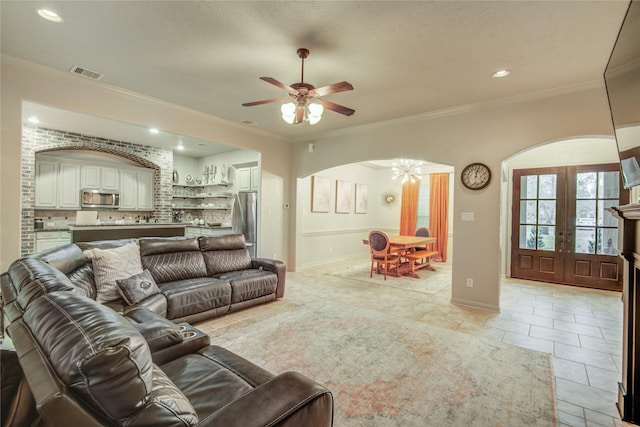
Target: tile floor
[(580, 328)]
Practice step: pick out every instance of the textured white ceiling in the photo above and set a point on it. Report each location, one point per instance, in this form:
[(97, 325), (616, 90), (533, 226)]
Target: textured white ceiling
[(403, 58)]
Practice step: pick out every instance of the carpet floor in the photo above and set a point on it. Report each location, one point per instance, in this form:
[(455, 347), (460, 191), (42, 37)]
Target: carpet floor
[(388, 371)]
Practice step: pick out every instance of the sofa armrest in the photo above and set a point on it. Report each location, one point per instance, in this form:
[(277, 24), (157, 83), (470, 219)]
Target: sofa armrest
[(276, 266), (289, 399), (167, 340), (156, 303)]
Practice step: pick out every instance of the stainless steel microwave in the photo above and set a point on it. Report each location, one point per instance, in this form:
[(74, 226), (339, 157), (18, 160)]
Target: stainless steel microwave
[(106, 199)]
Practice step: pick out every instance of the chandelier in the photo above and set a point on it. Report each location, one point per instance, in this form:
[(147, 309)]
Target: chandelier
[(294, 113), (408, 170)]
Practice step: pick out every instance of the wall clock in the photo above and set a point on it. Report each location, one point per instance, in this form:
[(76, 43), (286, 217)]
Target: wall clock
[(475, 176)]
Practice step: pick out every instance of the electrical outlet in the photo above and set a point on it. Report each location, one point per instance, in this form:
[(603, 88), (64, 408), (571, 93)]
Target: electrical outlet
[(469, 283)]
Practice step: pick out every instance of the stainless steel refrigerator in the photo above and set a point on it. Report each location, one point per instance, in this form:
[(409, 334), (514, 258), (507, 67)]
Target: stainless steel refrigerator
[(245, 218)]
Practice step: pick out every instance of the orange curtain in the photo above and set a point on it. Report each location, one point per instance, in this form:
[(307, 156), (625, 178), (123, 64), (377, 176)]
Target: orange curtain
[(409, 208), (438, 203)]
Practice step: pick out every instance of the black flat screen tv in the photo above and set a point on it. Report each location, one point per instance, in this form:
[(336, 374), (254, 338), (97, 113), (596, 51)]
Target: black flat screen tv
[(622, 80)]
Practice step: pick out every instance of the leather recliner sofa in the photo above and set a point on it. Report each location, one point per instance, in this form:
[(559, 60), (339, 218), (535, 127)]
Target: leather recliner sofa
[(198, 278), (89, 366)]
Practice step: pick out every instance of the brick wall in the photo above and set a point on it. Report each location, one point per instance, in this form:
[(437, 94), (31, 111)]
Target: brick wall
[(41, 140)]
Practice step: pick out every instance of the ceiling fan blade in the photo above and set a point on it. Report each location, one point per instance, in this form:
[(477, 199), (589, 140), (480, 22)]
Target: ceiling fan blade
[(279, 84), (335, 107), (266, 101), (334, 88)]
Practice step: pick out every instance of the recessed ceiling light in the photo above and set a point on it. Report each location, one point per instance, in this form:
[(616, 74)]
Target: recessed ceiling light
[(180, 147), (49, 15), (501, 73), (33, 119), (154, 130)]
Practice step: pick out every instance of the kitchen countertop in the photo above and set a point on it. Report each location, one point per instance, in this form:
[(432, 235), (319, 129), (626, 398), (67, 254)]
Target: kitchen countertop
[(208, 227), (135, 225), (127, 226)]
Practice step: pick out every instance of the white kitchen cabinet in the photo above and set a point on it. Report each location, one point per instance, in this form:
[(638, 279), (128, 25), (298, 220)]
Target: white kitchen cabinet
[(248, 179), (68, 186), (46, 185), (57, 185), (145, 190), (128, 189), (136, 190), (99, 177), (255, 178), (243, 179), (51, 239)]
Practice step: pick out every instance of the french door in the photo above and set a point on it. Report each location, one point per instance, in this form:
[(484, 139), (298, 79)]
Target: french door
[(562, 231)]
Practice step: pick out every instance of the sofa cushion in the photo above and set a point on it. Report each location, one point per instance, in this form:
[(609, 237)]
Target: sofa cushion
[(138, 287), (172, 259), (65, 258), (105, 362), (110, 265), (250, 284), (96, 352), (32, 278), (190, 296), (166, 405), (225, 253), (215, 387), (84, 281)]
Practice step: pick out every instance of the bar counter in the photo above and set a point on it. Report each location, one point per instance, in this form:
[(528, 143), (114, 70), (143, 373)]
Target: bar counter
[(88, 233)]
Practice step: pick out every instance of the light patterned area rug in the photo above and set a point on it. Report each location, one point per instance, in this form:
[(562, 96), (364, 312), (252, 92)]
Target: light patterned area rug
[(430, 282), (387, 371)]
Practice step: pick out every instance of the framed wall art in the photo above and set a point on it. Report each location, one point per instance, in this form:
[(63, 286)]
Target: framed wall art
[(362, 198), (343, 196), (320, 193)]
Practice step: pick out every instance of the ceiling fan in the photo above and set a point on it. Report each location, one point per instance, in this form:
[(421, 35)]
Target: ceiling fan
[(305, 99)]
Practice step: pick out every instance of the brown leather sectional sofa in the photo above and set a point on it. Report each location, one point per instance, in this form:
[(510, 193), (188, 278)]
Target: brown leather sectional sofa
[(88, 364), (199, 278)]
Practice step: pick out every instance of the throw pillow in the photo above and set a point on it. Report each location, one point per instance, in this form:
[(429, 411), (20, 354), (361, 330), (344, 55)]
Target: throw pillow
[(138, 287), (110, 265)]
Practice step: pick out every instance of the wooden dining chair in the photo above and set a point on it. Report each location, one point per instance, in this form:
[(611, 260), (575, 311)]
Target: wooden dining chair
[(381, 256), (423, 232)]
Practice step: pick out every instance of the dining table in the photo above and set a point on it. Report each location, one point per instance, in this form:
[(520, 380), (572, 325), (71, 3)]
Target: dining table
[(403, 246)]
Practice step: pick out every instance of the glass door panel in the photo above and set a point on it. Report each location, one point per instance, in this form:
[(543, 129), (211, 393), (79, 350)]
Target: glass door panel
[(563, 231)]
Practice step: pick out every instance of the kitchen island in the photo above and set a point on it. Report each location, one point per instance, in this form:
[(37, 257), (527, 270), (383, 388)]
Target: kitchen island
[(88, 233)]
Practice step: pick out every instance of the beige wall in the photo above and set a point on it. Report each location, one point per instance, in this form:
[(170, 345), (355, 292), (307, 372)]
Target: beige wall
[(25, 81), (489, 133)]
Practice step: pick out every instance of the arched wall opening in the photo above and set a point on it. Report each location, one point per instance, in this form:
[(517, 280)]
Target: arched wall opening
[(326, 232), (586, 150), (42, 141)]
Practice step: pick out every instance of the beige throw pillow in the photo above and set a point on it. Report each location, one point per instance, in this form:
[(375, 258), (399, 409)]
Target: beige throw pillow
[(110, 265)]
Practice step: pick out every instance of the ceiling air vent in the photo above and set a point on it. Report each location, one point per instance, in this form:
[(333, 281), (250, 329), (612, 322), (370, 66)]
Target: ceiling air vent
[(85, 73)]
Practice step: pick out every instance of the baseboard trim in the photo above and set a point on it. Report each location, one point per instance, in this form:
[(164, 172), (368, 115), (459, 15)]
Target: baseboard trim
[(475, 304)]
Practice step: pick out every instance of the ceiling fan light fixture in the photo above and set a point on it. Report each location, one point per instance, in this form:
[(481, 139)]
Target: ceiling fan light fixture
[(288, 112), (315, 110)]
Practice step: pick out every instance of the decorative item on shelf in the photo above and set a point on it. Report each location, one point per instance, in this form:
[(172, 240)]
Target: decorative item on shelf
[(188, 179), (223, 174), (389, 198), (176, 176), (213, 170), (205, 173), (198, 181)]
